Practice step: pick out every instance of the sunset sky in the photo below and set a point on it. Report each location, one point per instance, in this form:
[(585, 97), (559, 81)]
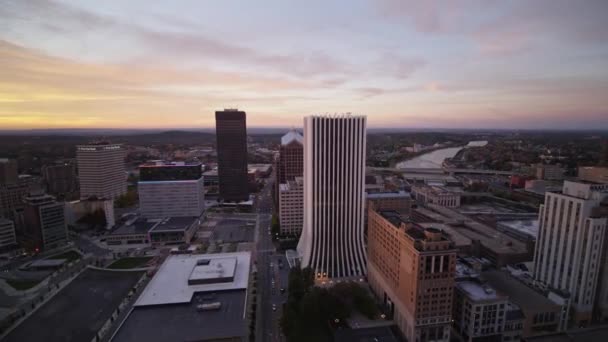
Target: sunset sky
[(450, 64)]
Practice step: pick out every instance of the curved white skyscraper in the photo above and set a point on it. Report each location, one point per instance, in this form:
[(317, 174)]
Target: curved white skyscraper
[(334, 181)]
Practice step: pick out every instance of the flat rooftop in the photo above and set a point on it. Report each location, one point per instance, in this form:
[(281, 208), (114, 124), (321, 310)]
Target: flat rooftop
[(79, 310), (394, 217), (451, 233), (385, 194), (174, 224), (170, 283), (139, 226), (518, 292), (529, 227), (213, 270), (479, 292), (183, 322)]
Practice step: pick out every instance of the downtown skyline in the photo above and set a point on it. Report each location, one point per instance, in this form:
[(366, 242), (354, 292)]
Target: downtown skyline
[(404, 64)]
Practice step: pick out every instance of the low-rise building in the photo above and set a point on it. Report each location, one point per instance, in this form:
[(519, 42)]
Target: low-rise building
[(549, 172), (174, 230), (479, 312), (192, 297), (438, 195), (597, 174), (134, 231), (291, 206)]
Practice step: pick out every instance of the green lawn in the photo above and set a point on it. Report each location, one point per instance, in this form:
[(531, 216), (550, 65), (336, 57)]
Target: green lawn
[(69, 256), (21, 285), (126, 263)]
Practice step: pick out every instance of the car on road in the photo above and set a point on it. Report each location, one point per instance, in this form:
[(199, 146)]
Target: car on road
[(274, 307), (282, 290)]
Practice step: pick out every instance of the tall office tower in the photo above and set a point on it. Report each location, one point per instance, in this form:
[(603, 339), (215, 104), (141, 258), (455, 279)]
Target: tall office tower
[(60, 178), (570, 242), (8, 171), (101, 170), (412, 269), (332, 241), (171, 189), (291, 157), (231, 134), (8, 237), (44, 225), (11, 195)]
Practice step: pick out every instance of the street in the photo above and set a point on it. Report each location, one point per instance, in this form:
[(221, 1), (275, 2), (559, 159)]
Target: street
[(271, 277)]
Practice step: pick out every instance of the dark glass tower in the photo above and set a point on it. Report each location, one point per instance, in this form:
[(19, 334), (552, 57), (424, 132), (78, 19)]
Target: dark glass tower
[(231, 134)]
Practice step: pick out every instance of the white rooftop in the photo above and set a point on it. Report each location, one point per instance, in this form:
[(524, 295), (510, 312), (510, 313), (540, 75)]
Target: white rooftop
[(291, 136), (478, 292), (217, 268), (170, 283)]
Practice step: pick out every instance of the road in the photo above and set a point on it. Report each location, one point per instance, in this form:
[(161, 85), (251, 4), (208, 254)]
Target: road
[(271, 278)]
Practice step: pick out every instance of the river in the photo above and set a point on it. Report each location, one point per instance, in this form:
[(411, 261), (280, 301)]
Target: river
[(431, 160)]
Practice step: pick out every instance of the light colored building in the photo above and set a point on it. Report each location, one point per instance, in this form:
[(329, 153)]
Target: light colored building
[(101, 170), (412, 270), (44, 225), (8, 238), (597, 174), (430, 194), (479, 312), (570, 242), (400, 201), (332, 240), (291, 210), (551, 172), (171, 189)]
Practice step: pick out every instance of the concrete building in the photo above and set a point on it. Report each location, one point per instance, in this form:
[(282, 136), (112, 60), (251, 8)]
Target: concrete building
[(193, 297), (75, 210), (134, 231), (550, 172), (173, 189), (231, 134), (479, 312), (8, 171), (44, 222), (412, 270), (542, 313), (290, 162), (597, 174), (399, 201), (101, 170), (570, 242), (8, 236), (174, 230), (332, 240), (428, 194), (291, 206), (60, 178)]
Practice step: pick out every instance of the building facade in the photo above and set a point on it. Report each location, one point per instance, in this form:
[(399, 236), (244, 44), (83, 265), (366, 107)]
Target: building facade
[(549, 172), (291, 157), (570, 242), (8, 171), (291, 206), (231, 134), (427, 194), (412, 269), (60, 179), (101, 170), (332, 240), (171, 189), (480, 313), (597, 174), (8, 237), (44, 225)]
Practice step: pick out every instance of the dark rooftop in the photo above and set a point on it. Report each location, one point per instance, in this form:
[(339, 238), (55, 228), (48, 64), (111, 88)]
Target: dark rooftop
[(79, 310), (182, 322), (174, 223), (140, 226), (518, 292), (393, 217)]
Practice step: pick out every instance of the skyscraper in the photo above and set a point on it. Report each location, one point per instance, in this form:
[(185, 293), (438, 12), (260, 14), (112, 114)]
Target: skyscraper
[(570, 242), (101, 170), (291, 157), (231, 134), (334, 180), (60, 178), (44, 222)]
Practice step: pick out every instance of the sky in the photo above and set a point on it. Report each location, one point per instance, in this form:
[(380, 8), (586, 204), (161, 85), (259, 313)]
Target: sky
[(403, 63)]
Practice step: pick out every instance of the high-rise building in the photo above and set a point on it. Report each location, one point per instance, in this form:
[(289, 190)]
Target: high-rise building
[(289, 162), (44, 222), (569, 244), (412, 270), (101, 170), (60, 178), (332, 241), (291, 211), (172, 189), (11, 195), (231, 134), (8, 171), (8, 237)]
